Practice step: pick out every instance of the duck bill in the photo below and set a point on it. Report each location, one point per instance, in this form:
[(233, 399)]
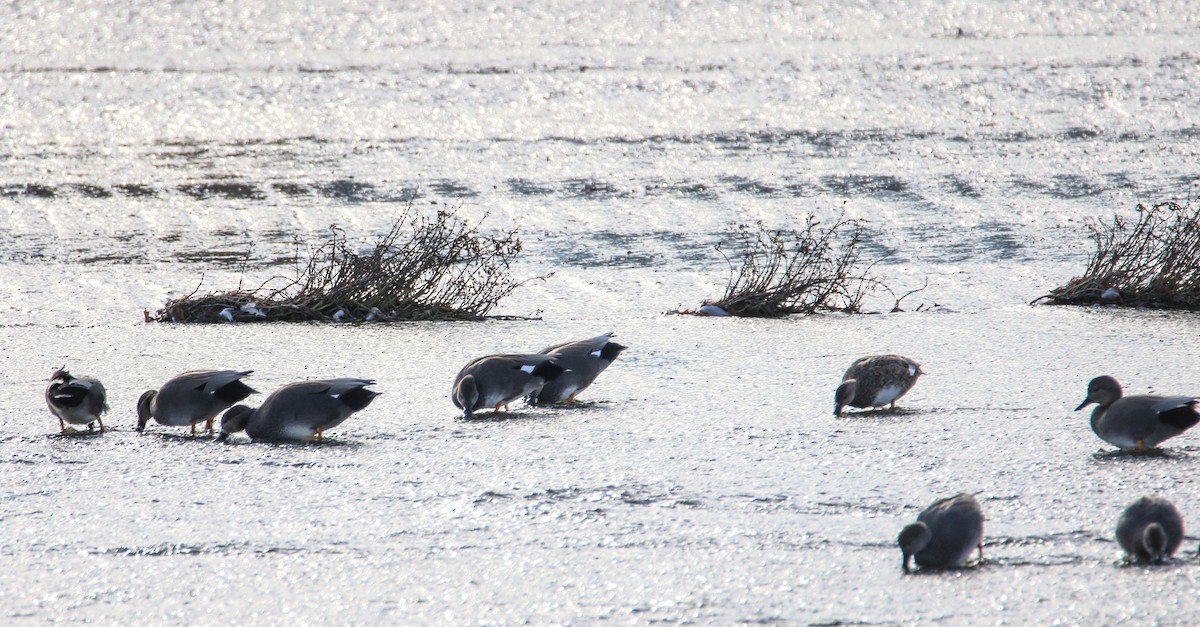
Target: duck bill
[(1085, 403)]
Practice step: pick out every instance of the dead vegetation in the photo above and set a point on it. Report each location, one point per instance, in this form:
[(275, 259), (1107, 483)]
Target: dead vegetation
[(1151, 260), (438, 268), (810, 270)]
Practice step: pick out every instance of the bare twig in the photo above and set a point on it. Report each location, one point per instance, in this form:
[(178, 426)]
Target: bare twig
[(897, 308)]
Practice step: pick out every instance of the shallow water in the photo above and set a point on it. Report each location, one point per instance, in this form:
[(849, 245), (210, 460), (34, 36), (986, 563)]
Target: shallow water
[(147, 149)]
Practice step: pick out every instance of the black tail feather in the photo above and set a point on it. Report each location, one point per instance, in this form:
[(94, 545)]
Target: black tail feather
[(358, 398), (69, 395), (1182, 418), (548, 370), (611, 350), (234, 392)]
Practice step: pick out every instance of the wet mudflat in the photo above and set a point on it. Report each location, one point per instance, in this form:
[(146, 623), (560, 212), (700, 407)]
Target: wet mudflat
[(706, 479)]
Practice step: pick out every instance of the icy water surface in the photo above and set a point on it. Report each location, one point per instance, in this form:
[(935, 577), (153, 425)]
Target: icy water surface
[(147, 148)]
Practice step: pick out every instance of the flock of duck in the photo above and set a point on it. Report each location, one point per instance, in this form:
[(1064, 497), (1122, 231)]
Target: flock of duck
[(945, 534), (304, 411)]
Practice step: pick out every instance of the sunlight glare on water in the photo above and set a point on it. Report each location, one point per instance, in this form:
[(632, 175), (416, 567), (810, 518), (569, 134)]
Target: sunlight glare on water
[(151, 148)]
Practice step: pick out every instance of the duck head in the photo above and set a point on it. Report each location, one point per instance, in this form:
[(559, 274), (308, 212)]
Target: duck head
[(844, 395), (145, 406), (466, 394), (913, 539), (233, 420), (1103, 390)]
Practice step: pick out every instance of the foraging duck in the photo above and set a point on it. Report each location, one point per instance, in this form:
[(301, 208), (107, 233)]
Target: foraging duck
[(497, 380), (1150, 530), (945, 534), (584, 361), (77, 400), (875, 381), (1140, 422), (299, 411), (193, 397)]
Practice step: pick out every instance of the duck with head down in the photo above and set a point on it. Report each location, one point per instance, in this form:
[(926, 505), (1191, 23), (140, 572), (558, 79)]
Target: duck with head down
[(1150, 530), (299, 412), (193, 397), (875, 381), (945, 534), (584, 361), (497, 380)]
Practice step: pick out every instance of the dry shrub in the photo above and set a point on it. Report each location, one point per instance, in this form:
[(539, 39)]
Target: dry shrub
[(422, 269), (1152, 260), (789, 272)]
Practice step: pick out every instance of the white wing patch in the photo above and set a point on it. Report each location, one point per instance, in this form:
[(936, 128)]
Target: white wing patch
[(298, 432), (595, 353), (912, 370), (528, 368), (887, 394), (567, 392)]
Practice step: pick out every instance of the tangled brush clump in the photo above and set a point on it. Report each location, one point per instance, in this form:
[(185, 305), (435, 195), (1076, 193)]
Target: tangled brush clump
[(806, 271), (1152, 260), (438, 268)]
